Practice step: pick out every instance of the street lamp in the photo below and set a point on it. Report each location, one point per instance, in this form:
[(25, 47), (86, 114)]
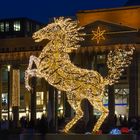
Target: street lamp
[(27, 112), (9, 67), (9, 114)]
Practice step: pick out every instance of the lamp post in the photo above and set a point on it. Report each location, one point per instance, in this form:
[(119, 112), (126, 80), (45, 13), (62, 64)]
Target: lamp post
[(9, 110), (0, 93), (27, 112)]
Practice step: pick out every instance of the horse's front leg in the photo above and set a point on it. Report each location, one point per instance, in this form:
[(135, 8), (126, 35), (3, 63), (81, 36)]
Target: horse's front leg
[(31, 72), (28, 75), (33, 59)]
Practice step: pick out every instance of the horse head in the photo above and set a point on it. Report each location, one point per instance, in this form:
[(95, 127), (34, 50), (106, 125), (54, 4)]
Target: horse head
[(65, 31)]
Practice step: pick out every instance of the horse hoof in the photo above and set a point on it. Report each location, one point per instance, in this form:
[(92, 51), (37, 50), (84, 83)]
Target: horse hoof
[(28, 88)]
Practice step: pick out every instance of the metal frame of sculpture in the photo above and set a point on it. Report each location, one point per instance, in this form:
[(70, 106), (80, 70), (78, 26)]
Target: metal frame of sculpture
[(55, 66)]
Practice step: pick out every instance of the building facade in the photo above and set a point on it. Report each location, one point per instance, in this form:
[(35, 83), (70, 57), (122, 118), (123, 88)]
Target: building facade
[(16, 46), (120, 28)]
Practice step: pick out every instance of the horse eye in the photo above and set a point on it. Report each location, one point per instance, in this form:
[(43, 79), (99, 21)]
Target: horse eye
[(56, 28)]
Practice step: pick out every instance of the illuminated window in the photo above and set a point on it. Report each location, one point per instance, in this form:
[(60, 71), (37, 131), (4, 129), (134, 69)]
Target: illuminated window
[(121, 96), (39, 98), (7, 26), (4, 99), (16, 25), (2, 27)]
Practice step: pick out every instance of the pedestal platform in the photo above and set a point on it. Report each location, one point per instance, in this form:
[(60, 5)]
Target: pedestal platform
[(76, 137)]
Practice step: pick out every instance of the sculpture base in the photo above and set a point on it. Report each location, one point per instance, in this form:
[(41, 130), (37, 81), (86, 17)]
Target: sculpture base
[(76, 137)]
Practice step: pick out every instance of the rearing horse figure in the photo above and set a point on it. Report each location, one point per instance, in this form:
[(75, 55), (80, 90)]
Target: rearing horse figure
[(55, 66)]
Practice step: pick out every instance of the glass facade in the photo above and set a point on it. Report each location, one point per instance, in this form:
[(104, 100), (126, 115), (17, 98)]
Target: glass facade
[(7, 26), (1, 26), (39, 98), (17, 26)]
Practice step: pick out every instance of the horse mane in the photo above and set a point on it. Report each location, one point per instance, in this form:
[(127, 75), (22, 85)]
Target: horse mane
[(69, 32)]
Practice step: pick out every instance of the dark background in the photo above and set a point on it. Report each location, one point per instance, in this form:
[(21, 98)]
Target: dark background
[(42, 10)]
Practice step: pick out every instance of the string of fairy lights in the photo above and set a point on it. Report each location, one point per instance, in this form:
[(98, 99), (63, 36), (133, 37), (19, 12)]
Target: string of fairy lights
[(55, 66)]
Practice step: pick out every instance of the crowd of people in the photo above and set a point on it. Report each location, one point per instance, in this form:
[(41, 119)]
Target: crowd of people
[(42, 125)]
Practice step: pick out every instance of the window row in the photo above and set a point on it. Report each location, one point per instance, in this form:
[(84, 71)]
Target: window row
[(5, 26), (39, 98)]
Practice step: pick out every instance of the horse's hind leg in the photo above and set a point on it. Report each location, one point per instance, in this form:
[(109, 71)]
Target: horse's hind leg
[(33, 59), (99, 106), (76, 105)]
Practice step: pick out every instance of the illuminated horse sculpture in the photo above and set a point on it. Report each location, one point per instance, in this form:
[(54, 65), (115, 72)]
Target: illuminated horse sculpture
[(55, 66)]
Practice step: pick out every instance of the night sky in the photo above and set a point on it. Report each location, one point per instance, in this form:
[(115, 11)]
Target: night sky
[(42, 10)]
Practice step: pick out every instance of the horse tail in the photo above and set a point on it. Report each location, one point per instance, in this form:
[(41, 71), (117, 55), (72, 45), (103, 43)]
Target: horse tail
[(117, 60)]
